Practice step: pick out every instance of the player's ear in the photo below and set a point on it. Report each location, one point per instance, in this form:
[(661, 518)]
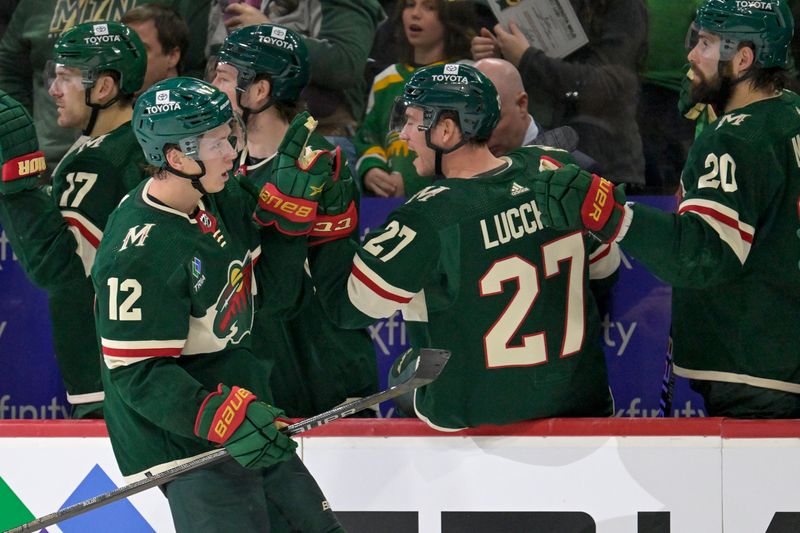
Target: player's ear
[(262, 91), (175, 157), (105, 88), (744, 59)]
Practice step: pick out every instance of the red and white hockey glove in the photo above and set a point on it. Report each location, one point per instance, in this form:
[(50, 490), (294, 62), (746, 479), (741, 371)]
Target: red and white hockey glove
[(571, 198), (244, 426), (299, 175)]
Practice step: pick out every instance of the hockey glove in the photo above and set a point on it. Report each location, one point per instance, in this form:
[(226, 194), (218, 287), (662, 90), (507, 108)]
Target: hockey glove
[(289, 198), (337, 215), (245, 427), (571, 198), (19, 150)]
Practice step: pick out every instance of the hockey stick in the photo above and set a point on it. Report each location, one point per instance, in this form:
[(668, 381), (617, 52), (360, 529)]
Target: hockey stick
[(431, 363), (667, 385)]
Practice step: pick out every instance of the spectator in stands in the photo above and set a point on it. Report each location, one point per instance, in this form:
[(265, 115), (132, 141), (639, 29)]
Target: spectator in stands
[(27, 46), (594, 89), (56, 236), (263, 70), (666, 135), (516, 126), (166, 39), (429, 32), (729, 252)]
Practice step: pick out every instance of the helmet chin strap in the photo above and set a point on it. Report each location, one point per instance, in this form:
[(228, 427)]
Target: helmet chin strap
[(246, 111), (95, 109), (439, 151), (194, 178), (725, 90)]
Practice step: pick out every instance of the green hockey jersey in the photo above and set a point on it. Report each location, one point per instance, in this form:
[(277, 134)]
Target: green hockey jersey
[(471, 260), (56, 240), (731, 252), (315, 364), (175, 301)]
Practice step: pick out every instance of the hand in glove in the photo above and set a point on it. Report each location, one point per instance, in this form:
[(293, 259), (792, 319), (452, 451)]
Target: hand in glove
[(245, 427)]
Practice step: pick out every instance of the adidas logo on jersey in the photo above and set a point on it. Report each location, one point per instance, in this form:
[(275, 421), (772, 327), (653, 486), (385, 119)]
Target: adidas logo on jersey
[(517, 189)]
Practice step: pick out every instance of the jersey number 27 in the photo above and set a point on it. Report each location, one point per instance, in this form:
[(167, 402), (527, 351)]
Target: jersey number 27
[(533, 351)]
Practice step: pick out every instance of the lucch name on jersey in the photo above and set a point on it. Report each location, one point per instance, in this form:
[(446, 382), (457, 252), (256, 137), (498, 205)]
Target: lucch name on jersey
[(511, 224)]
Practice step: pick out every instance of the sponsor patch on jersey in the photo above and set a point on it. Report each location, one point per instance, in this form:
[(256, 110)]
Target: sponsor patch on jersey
[(197, 273)]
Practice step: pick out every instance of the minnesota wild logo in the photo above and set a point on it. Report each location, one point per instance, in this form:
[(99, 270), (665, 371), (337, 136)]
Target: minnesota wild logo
[(68, 13), (234, 309)]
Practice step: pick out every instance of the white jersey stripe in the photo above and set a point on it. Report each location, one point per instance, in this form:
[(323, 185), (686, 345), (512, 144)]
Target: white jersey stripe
[(737, 235), (396, 292), (87, 236), (730, 377), (369, 302), (725, 214), (604, 261), (115, 362), (142, 345)]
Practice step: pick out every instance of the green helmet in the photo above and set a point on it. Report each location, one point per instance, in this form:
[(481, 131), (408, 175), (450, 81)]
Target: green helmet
[(268, 49), (768, 24), (459, 88), (178, 111), (95, 47)]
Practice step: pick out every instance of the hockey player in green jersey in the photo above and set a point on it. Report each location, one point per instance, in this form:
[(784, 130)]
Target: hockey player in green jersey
[(728, 251), (263, 70), (471, 267), (178, 276), (98, 67)]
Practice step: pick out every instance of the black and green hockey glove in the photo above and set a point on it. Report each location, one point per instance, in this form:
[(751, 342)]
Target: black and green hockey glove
[(289, 198), (244, 426), (571, 198), (20, 156)]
